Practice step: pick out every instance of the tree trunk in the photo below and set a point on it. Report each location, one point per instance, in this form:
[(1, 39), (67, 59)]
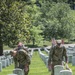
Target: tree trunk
[(33, 41), (1, 44), (1, 47)]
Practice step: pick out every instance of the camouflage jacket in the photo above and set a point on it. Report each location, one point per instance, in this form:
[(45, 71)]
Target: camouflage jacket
[(22, 58), (57, 54)]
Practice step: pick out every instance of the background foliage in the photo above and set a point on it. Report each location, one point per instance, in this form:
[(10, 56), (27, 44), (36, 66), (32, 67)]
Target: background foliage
[(35, 20)]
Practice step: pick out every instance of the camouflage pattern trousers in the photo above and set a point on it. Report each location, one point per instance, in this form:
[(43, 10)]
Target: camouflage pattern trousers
[(52, 66), (25, 68)]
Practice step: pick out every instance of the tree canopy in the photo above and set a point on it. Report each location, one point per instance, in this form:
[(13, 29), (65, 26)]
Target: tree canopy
[(25, 20)]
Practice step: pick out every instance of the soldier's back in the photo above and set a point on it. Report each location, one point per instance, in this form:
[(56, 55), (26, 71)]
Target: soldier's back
[(21, 56)]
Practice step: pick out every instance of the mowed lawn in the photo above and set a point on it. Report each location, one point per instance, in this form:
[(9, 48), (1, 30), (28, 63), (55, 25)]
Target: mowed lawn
[(37, 67), (7, 70)]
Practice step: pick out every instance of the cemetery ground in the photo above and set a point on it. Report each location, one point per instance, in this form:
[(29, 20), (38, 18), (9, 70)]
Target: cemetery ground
[(37, 67)]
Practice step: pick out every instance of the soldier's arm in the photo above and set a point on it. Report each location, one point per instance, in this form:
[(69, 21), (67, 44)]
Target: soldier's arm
[(65, 54), (27, 58)]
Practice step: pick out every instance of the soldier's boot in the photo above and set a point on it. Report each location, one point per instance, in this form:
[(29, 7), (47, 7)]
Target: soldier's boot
[(26, 70), (52, 72)]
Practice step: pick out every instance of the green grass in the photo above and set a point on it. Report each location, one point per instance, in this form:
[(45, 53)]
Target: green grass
[(72, 68), (7, 70), (6, 47), (37, 67)]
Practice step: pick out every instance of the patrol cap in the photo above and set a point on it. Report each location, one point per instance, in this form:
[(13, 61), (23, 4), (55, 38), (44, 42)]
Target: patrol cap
[(58, 41)]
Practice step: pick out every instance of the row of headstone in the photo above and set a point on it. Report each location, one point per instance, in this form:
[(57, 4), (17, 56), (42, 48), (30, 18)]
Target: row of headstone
[(44, 57), (60, 70), (65, 72), (0, 66), (72, 47), (5, 61), (71, 55), (47, 51), (17, 71)]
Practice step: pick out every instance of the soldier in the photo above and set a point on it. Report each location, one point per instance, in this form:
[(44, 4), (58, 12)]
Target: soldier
[(56, 56), (22, 60), (19, 47)]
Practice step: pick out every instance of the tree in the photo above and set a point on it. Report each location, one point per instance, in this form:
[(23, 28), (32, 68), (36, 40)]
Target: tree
[(35, 30), (56, 20), (14, 22), (36, 34)]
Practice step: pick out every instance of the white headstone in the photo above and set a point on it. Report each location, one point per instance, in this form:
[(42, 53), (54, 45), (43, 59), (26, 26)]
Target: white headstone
[(7, 62), (65, 72), (70, 59), (57, 69), (18, 71), (73, 60), (12, 74), (0, 66), (47, 63), (10, 61), (3, 63), (0, 59)]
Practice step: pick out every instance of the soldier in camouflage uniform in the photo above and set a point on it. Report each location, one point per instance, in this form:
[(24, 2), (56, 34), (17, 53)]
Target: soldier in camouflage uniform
[(56, 55), (19, 47), (22, 60)]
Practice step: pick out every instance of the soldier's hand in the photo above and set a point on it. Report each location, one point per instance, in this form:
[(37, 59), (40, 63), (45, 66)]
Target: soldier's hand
[(67, 67), (49, 67)]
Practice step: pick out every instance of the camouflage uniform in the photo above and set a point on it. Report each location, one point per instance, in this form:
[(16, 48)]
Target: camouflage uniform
[(22, 60), (19, 47), (56, 57)]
